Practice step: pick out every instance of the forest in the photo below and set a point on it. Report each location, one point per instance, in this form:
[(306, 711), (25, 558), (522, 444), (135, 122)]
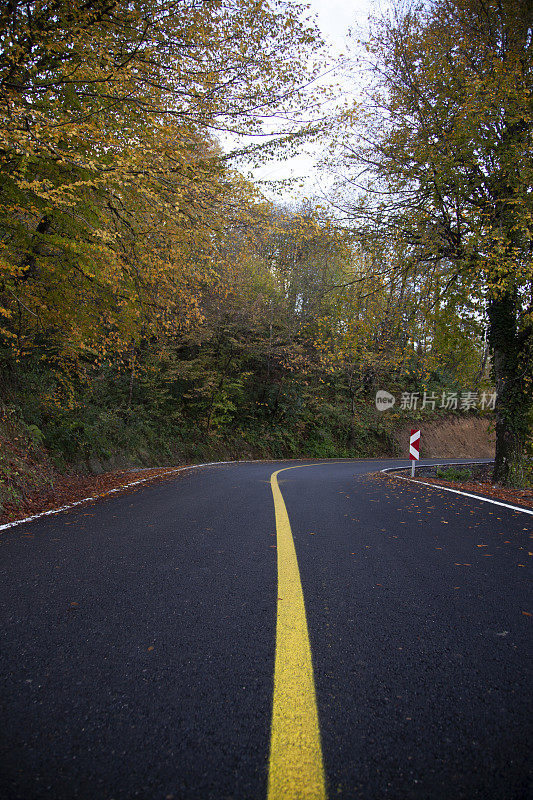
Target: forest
[(157, 306)]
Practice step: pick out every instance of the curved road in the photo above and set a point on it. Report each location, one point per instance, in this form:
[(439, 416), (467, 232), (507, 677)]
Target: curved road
[(140, 635)]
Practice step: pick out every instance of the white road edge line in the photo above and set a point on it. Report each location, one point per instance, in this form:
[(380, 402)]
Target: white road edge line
[(170, 471), (456, 491), (118, 489)]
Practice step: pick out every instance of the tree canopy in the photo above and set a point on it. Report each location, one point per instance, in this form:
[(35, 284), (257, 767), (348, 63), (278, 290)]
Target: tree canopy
[(441, 157), (149, 293)]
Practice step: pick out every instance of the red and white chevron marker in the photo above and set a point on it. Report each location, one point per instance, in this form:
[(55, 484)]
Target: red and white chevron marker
[(414, 448), (414, 444)]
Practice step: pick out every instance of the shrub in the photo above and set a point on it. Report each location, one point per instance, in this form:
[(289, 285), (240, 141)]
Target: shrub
[(454, 474)]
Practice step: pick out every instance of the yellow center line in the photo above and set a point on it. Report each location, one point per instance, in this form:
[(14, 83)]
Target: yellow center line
[(296, 768)]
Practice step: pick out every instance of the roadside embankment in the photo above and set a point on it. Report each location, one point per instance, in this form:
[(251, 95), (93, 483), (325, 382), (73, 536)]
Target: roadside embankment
[(451, 437)]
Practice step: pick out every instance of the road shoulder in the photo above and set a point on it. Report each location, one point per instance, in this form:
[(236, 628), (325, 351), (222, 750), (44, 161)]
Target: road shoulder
[(518, 498)]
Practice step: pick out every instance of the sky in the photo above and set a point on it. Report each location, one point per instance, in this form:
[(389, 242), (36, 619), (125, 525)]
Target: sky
[(334, 19)]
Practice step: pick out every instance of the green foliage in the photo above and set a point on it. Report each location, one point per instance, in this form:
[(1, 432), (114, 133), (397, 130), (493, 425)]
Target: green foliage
[(153, 307), (454, 474), (24, 465), (445, 148)]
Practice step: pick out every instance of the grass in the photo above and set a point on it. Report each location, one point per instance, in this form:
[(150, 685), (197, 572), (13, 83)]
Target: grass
[(454, 474)]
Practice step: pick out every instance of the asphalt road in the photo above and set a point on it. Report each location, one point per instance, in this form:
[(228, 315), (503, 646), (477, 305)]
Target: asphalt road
[(138, 640)]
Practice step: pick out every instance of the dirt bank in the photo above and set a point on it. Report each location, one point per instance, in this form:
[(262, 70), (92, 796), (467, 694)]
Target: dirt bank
[(451, 437)]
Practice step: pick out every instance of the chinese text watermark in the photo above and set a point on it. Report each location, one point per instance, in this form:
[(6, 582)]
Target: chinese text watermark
[(430, 401)]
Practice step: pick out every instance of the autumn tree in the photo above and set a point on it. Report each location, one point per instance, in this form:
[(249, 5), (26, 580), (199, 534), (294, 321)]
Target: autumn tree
[(108, 116), (442, 155)]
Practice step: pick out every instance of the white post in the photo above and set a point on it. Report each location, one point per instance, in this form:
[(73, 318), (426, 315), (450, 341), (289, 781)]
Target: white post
[(413, 462)]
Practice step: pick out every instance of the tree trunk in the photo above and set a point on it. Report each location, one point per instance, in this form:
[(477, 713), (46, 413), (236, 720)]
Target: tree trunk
[(29, 262), (514, 400)]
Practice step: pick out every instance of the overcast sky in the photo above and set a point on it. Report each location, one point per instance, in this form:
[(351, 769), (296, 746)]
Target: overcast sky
[(334, 18)]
